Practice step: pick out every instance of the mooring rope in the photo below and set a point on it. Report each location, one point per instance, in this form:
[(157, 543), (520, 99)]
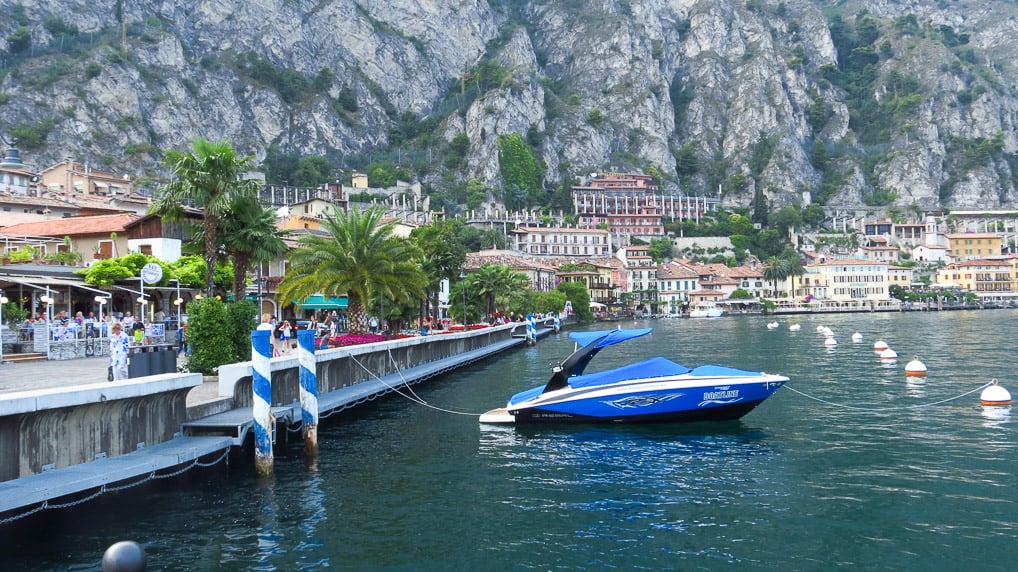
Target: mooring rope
[(414, 397), (885, 409)]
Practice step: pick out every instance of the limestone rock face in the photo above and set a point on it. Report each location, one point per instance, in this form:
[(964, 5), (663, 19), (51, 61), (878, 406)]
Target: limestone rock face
[(593, 85)]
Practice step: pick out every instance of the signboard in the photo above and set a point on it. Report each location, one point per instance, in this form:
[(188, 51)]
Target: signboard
[(151, 273)]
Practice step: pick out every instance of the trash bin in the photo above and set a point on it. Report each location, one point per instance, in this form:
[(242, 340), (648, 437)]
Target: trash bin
[(139, 363), (168, 360)]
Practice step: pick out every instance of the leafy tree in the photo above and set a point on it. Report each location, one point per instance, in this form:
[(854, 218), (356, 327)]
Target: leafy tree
[(19, 41), (577, 293), (442, 256), (207, 178), (687, 163), (361, 259), (660, 249), (740, 294), (209, 336), (785, 218), (518, 166)]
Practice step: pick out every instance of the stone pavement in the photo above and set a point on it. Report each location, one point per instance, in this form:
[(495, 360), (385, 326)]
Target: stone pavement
[(26, 376)]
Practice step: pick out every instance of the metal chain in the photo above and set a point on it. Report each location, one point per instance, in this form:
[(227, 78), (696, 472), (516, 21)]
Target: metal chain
[(112, 489)]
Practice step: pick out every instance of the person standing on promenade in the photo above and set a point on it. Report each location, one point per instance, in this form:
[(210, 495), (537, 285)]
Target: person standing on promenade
[(284, 338), (118, 351), (267, 325)]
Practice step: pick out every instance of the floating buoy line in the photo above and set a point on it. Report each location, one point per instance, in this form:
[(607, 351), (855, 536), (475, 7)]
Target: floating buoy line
[(993, 396), (990, 383)]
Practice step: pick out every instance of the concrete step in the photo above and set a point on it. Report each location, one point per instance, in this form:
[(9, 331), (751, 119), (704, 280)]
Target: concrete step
[(24, 357)]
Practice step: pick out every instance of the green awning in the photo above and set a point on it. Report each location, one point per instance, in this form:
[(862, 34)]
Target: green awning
[(322, 303)]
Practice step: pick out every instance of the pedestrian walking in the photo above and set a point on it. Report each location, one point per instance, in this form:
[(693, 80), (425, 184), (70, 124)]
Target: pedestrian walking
[(119, 341)]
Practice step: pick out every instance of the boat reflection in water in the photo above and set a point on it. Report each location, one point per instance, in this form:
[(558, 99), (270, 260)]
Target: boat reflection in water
[(650, 391)]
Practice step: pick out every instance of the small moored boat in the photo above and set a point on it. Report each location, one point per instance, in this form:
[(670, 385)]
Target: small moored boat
[(706, 310), (649, 391)]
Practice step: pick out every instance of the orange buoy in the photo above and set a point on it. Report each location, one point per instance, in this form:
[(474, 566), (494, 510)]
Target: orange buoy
[(915, 368), (879, 346), (995, 395)]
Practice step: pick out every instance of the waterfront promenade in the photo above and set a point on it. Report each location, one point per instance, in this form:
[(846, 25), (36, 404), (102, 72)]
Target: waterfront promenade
[(53, 374)]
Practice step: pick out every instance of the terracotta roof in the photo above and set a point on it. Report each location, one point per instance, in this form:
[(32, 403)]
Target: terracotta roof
[(673, 270), (552, 230), (979, 262), (852, 262), (956, 236), (72, 226)]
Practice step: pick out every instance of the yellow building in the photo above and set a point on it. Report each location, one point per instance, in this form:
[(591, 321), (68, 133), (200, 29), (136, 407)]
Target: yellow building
[(969, 245), (359, 181), (979, 276), (847, 281)]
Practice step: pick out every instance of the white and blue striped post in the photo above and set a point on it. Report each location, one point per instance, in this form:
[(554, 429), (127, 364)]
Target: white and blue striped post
[(532, 329), (557, 321), (261, 386), (308, 390)]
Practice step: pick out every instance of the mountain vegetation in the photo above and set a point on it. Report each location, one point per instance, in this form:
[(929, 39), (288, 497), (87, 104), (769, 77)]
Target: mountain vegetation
[(864, 105)]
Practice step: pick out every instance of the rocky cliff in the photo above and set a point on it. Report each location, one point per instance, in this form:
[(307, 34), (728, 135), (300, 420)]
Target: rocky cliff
[(852, 104)]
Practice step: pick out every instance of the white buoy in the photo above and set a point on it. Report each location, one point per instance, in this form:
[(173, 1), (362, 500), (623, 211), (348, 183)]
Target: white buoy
[(794, 327), (830, 342), (995, 395), (857, 337), (820, 329), (828, 333), (772, 325), (879, 346), (915, 368), (888, 356)]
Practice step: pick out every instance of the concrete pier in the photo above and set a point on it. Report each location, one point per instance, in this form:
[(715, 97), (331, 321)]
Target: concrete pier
[(66, 433)]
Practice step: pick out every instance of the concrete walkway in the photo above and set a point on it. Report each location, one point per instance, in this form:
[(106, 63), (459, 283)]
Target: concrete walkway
[(26, 376)]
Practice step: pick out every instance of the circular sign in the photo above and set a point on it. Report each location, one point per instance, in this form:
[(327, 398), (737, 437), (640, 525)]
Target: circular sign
[(151, 273)]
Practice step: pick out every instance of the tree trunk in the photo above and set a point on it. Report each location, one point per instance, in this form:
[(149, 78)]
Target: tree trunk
[(358, 315), (241, 262), (210, 253)]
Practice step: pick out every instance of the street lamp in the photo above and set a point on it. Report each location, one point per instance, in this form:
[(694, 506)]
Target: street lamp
[(3, 300), (463, 288)]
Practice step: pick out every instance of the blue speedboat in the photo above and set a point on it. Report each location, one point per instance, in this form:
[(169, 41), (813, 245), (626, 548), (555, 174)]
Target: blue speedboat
[(651, 391)]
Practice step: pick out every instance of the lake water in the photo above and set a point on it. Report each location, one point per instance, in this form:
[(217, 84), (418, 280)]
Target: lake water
[(865, 474)]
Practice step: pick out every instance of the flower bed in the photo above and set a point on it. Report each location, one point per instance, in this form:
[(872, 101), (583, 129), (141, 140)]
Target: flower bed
[(353, 340)]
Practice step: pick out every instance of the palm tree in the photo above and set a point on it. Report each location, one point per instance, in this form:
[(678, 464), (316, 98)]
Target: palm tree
[(494, 283), (359, 259), (249, 236), (774, 270), (793, 268), (209, 178)]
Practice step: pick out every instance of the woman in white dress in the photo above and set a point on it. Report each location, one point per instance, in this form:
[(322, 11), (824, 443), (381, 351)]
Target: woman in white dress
[(119, 341)]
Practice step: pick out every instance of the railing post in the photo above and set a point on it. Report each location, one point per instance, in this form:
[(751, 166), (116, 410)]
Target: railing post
[(308, 390), (261, 386)]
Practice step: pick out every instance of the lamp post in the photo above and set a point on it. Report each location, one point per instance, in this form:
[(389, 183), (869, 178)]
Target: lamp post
[(463, 288), (3, 300), (48, 300)]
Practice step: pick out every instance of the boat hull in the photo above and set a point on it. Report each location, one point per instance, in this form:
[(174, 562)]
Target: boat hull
[(723, 413), (682, 399)]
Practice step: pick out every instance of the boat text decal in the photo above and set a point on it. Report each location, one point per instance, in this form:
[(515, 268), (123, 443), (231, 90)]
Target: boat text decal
[(720, 396), (635, 401)]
